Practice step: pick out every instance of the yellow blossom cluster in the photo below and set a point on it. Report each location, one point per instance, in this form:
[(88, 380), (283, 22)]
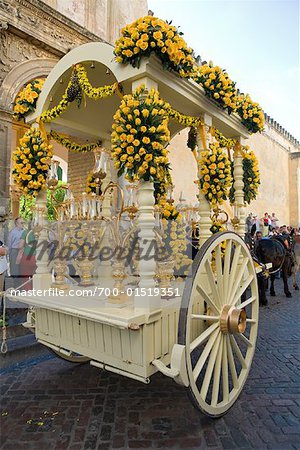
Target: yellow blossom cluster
[(150, 34), (251, 114), (215, 174), (217, 85), (31, 162), (251, 176), (96, 93), (140, 135), (25, 101), (168, 211), (72, 146), (91, 184), (175, 244)]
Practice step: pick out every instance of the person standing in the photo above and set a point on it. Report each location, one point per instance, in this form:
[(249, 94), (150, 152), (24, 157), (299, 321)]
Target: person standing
[(3, 266), (13, 242), (26, 256)]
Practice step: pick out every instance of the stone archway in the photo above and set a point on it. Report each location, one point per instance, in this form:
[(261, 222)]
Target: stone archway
[(21, 74)]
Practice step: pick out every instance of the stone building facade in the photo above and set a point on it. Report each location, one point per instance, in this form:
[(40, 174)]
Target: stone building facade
[(34, 35)]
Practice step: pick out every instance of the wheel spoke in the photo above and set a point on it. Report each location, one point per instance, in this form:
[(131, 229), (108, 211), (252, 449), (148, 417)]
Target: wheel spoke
[(204, 355), (207, 298), (204, 317), (233, 268), (218, 257), (242, 289), (232, 364), (212, 283), (203, 336), (225, 380), (238, 351), (210, 367), (237, 280), (252, 321), (246, 340), (217, 373), (246, 303), (226, 271)]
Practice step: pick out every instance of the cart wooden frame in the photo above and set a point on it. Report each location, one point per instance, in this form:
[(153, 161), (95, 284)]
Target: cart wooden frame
[(205, 338)]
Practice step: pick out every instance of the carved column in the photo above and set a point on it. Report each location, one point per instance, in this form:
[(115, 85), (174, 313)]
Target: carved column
[(42, 279), (239, 187), (204, 206), (147, 263)]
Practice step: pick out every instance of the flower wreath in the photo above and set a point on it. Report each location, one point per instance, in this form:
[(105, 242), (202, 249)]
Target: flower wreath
[(140, 134), (31, 162), (150, 34), (215, 174), (27, 98)]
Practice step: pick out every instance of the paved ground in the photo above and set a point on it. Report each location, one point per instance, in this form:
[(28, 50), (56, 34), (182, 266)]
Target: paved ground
[(51, 404)]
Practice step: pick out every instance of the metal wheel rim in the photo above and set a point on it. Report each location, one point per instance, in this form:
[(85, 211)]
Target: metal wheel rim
[(220, 342)]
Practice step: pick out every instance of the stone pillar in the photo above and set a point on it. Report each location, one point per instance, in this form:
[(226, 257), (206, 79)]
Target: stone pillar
[(204, 206), (5, 157), (239, 187)]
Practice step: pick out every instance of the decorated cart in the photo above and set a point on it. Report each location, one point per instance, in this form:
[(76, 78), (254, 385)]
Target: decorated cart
[(198, 324)]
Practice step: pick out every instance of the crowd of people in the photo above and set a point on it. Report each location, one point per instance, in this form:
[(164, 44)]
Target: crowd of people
[(17, 256), (267, 226)]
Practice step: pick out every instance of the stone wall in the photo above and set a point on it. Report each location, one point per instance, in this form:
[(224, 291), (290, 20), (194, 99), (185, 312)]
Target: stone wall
[(104, 18), (279, 163)]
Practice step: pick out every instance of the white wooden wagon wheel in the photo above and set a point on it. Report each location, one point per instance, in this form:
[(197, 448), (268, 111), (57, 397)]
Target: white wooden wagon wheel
[(218, 322), (72, 357)]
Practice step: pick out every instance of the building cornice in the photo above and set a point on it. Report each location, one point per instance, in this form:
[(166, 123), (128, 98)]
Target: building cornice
[(42, 25), (276, 126)]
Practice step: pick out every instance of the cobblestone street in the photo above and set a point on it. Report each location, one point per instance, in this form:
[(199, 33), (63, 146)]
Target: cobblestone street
[(51, 404)]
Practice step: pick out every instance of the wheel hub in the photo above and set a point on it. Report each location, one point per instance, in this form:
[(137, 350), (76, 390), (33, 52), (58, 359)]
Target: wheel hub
[(232, 320)]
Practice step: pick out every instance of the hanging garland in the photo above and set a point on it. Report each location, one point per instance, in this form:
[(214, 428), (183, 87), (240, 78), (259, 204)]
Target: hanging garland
[(222, 140), (215, 174), (32, 162), (175, 244), (72, 146), (56, 111), (93, 92), (183, 119), (140, 134), (152, 35), (26, 100), (251, 177)]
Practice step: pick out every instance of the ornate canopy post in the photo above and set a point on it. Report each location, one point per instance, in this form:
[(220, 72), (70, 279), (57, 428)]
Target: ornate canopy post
[(146, 221), (203, 141), (239, 186)]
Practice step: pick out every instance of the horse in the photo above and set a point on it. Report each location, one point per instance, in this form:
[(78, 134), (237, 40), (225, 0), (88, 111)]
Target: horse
[(274, 250), (296, 265)]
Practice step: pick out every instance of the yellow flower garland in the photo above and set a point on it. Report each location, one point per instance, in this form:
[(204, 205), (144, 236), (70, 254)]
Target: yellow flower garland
[(27, 98), (93, 92), (152, 35), (140, 134), (31, 162), (215, 174), (72, 146), (56, 111)]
